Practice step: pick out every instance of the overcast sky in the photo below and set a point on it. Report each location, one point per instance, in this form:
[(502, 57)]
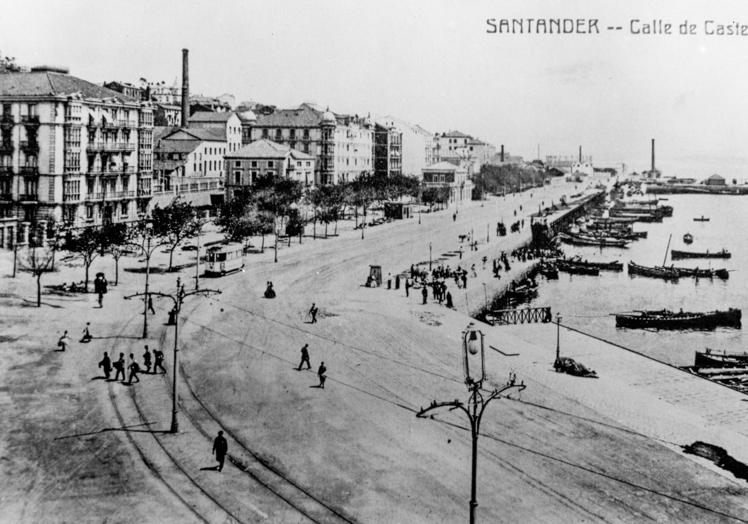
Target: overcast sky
[(432, 62)]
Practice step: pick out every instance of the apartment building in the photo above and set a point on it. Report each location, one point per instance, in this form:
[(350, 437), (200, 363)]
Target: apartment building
[(71, 152)]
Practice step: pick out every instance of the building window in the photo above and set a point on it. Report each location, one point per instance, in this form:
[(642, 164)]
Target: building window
[(254, 163), (124, 211), (238, 163), (89, 212), (292, 133), (271, 163), (237, 177), (265, 133), (306, 134), (278, 135)]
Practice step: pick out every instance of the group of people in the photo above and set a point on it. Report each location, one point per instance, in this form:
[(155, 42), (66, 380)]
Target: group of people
[(156, 359)]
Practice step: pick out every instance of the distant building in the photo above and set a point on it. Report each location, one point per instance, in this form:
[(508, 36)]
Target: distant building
[(715, 180), (163, 94), (387, 150), (451, 146), (447, 174), (189, 163), (417, 145), (266, 158), (127, 89), (167, 114), (200, 103), (228, 122), (582, 168), (71, 152), (342, 145)]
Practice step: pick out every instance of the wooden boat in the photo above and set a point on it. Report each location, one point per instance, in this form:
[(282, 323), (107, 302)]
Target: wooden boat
[(603, 266), (676, 254), (702, 273), (584, 240), (548, 270), (653, 272), (688, 238), (701, 219), (576, 269), (712, 359), (665, 319)]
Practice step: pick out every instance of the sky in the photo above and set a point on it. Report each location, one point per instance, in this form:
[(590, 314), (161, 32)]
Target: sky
[(432, 62)]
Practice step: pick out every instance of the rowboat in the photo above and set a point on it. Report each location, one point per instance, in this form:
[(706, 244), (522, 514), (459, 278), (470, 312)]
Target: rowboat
[(584, 240), (664, 273), (603, 266), (701, 219), (576, 269), (688, 238), (666, 319), (675, 254), (702, 273)]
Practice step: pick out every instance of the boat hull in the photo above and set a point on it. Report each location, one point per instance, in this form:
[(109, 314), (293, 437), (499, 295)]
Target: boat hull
[(685, 320)]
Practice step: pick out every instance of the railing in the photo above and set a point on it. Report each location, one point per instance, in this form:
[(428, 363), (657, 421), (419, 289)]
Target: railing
[(6, 146), (30, 119), (29, 170), (95, 146), (6, 170), (72, 119), (71, 197), (30, 145), (144, 192), (6, 197), (28, 197), (111, 195), (7, 119)]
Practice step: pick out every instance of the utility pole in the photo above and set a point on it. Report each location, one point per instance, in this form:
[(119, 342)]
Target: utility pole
[(177, 298), (558, 336), (197, 260), (429, 256)]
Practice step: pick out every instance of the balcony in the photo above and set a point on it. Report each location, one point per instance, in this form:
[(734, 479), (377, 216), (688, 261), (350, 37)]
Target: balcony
[(112, 195), (30, 146), (29, 170), (7, 120), (6, 170), (72, 119), (28, 197), (30, 119), (71, 197), (95, 147), (6, 147), (6, 197), (144, 192)]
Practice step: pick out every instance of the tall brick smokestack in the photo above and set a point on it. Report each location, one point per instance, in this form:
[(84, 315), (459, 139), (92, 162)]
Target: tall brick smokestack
[(502, 152), (653, 155), (185, 87)]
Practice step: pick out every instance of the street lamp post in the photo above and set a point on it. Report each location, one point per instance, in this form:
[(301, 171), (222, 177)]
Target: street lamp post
[(177, 298), (558, 336), (474, 364), (429, 256)]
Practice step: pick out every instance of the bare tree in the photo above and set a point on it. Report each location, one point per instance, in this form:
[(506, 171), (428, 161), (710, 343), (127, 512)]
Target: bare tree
[(37, 261)]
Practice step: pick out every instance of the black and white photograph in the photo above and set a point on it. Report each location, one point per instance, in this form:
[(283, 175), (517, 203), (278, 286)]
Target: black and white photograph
[(406, 261)]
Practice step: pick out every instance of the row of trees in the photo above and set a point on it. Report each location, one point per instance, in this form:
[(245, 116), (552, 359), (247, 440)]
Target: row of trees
[(509, 178), (280, 205)]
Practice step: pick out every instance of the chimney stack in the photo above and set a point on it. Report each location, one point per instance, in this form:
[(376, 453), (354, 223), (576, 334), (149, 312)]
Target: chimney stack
[(502, 153), (185, 88), (653, 155)]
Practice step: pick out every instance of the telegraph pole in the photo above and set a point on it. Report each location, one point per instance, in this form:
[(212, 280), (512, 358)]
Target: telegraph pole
[(177, 298)]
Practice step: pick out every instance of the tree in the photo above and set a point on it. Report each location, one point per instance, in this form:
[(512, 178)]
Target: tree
[(37, 261), (87, 244), (174, 223), (8, 64), (115, 236)]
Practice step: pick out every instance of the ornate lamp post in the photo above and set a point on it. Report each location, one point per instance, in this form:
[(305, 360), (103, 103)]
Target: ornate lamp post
[(474, 368)]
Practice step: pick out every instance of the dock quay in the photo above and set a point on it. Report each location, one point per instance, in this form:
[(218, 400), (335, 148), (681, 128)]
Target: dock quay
[(550, 224)]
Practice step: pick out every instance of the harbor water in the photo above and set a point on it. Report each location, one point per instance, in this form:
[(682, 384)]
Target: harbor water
[(588, 302)]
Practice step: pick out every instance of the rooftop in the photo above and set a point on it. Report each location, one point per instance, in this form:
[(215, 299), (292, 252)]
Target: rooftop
[(267, 149), (49, 83), (211, 116), (443, 166)]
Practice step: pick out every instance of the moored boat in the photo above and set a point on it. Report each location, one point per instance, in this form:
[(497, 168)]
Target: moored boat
[(664, 273), (688, 238), (576, 269), (701, 219), (608, 266), (584, 240), (702, 273), (676, 254), (712, 359), (666, 319)]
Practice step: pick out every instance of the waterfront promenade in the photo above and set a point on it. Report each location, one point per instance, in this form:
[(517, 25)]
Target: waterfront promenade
[(353, 452)]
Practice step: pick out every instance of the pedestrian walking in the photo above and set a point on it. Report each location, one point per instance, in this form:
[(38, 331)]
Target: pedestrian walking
[(134, 369), (424, 294), (397, 281), (158, 356), (313, 313), (304, 357), (407, 287), (150, 305), (322, 376), (107, 365), (64, 341), (220, 449), (119, 367), (454, 217), (449, 300), (86, 338), (147, 359)]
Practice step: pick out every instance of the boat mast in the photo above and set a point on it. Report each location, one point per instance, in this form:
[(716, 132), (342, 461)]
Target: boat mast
[(667, 249)]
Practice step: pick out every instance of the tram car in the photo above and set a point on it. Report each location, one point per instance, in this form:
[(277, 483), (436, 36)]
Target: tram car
[(224, 258)]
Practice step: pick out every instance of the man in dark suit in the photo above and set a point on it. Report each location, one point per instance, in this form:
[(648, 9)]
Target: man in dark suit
[(220, 448)]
